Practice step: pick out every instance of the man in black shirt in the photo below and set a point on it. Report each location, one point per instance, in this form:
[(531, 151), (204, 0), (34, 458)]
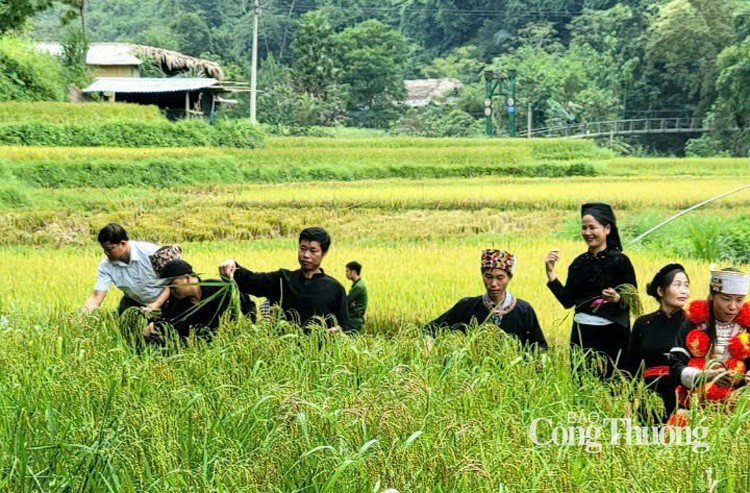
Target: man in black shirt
[(305, 294), (197, 305)]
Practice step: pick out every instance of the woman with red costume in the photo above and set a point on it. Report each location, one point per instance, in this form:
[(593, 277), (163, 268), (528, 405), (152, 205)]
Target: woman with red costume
[(712, 350)]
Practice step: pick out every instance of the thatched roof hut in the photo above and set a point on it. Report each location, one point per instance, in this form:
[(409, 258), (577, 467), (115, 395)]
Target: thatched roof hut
[(421, 92), (177, 62), (123, 59)]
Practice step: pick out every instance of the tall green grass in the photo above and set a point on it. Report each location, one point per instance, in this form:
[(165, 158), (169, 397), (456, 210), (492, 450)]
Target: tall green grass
[(266, 409), (253, 411)]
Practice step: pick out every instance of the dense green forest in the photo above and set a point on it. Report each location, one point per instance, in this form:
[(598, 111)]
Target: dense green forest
[(329, 62)]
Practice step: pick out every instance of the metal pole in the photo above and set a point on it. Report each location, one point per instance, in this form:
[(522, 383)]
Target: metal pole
[(685, 211), (254, 68), (488, 108), (512, 97), (529, 122)]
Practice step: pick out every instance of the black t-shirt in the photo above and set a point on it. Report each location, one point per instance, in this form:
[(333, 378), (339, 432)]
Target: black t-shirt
[(299, 297)]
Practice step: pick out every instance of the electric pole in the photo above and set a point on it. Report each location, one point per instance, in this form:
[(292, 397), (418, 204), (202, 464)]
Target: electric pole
[(529, 120), (254, 68)]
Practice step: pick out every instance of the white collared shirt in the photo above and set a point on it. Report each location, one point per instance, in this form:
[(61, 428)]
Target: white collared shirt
[(137, 279)]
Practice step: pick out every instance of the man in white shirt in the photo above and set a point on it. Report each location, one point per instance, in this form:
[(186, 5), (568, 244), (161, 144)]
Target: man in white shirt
[(128, 267)]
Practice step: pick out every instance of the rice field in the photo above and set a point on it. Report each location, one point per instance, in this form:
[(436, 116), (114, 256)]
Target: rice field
[(256, 411)]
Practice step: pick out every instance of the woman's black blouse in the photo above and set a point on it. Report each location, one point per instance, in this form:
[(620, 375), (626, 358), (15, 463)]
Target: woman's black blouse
[(588, 276), (651, 340)]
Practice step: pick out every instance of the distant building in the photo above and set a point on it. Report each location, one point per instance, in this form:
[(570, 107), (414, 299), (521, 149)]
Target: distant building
[(118, 69), (421, 92)]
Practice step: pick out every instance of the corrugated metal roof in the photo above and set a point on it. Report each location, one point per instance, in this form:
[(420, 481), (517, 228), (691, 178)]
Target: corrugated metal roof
[(100, 54), (134, 85)]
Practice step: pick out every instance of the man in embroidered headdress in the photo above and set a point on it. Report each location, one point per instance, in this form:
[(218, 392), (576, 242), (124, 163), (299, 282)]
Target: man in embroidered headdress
[(712, 350), (496, 306)]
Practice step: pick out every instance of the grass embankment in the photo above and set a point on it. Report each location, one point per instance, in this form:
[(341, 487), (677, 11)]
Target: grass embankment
[(53, 112), (163, 168), (392, 210), (115, 125)]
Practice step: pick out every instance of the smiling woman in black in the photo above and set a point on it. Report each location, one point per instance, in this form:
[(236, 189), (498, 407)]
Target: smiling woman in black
[(654, 334), (601, 322)]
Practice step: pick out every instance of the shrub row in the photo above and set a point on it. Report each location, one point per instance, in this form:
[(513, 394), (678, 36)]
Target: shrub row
[(56, 112), (167, 172), (123, 133)]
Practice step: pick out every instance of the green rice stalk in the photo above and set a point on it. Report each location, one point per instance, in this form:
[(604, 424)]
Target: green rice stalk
[(630, 297)]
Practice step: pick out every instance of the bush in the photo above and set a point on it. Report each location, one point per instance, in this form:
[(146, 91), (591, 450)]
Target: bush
[(13, 197), (125, 133), (705, 146), (238, 133), (735, 239), (294, 109), (28, 75), (437, 121)]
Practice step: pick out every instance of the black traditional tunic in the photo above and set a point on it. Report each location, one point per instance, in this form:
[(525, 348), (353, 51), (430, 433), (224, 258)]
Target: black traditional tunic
[(204, 317), (299, 297), (588, 276), (520, 322), (651, 340)]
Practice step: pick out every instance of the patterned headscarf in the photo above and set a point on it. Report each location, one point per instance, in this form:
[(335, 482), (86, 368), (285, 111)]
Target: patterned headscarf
[(498, 259), (163, 256)]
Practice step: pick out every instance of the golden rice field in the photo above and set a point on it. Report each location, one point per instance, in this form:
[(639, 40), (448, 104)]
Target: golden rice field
[(256, 411), (408, 284)]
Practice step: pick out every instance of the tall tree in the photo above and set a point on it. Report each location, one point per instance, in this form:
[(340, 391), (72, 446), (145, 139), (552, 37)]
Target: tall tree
[(13, 13), (684, 40), (373, 58), (75, 9), (314, 49), (192, 33), (732, 108)]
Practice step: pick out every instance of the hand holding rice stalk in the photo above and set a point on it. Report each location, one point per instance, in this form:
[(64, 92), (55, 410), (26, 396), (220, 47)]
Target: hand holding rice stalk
[(628, 296)]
